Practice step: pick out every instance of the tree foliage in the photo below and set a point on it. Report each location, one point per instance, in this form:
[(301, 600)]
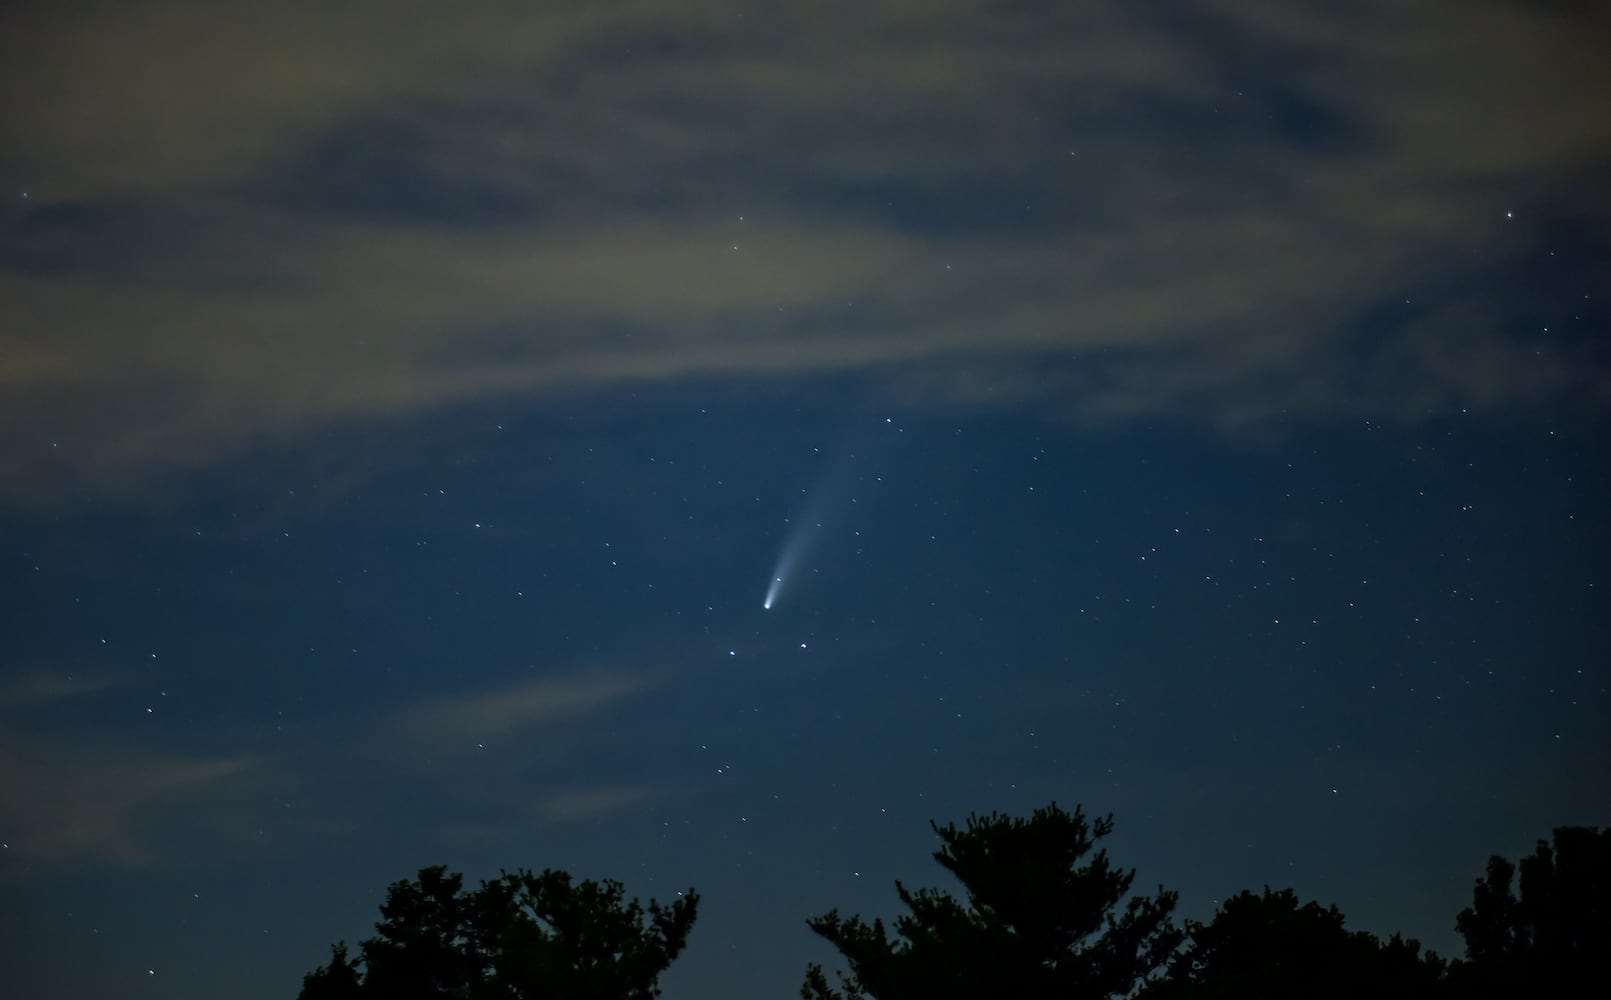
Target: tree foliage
[(1044, 915), (1041, 920), (1270, 947), (520, 937), (1551, 936)]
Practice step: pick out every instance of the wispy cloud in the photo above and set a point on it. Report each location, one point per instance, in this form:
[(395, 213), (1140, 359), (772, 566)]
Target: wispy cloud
[(38, 688), (1214, 214), (499, 712), (123, 800), (574, 805), (119, 804)]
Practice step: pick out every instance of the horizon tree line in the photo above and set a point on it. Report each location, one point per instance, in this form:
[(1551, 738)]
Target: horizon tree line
[(1043, 914)]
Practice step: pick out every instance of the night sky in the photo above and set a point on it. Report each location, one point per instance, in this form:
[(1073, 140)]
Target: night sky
[(1193, 411)]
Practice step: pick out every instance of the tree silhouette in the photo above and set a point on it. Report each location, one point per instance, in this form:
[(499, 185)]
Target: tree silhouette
[(1037, 923), (1270, 947), (519, 937), (1554, 935)]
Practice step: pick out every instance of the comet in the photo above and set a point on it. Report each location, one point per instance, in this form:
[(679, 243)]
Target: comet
[(826, 503), (787, 556)]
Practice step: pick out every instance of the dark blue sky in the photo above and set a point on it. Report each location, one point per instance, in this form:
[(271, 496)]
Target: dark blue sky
[(1199, 417)]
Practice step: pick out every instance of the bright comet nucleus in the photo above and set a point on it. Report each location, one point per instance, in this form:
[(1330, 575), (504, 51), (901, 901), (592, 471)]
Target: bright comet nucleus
[(835, 487), (772, 593), (786, 559)]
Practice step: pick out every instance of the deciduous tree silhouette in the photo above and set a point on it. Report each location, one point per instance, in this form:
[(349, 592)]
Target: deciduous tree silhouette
[(520, 937), (1550, 940), (1271, 948), (1037, 922)]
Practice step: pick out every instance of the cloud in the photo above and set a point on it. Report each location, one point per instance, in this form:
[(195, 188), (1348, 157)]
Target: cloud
[(574, 805), (547, 737), (120, 800), (246, 229), (39, 688), (119, 804), (500, 713)]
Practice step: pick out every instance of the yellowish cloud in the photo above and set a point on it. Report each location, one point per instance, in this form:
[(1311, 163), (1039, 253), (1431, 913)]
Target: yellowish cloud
[(117, 804), (498, 713), (38, 688), (244, 228), (121, 801), (573, 805)]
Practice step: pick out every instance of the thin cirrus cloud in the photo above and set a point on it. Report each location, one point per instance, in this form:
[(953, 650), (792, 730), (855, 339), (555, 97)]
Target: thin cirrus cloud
[(577, 805), (469, 719), (122, 800), (39, 688), (535, 733), (122, 804), (118, 796), (326, 216)]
